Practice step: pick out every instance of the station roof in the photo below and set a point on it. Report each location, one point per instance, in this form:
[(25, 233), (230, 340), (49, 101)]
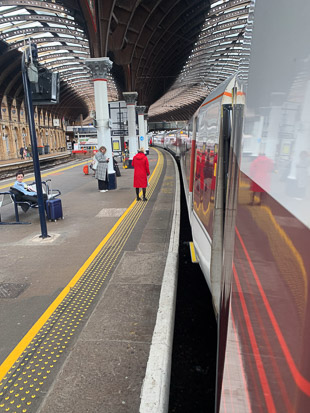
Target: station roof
[(172, 52)]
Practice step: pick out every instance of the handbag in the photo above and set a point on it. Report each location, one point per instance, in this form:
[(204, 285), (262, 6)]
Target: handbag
[(94, 164)]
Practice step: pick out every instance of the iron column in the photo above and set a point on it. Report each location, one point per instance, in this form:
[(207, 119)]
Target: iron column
[(130, 99), (100, 68)]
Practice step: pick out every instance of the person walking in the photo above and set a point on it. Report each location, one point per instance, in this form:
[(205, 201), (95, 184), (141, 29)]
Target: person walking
[(141, 172), (21, 152), (102, 169)]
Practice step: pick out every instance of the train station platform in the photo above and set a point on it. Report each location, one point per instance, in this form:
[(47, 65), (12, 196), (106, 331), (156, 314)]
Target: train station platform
[(8, 167), (86, 315)]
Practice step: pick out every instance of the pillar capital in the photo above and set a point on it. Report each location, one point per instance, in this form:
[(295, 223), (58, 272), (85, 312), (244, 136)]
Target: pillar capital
[(130, 97), (140, 110), (99, 66)]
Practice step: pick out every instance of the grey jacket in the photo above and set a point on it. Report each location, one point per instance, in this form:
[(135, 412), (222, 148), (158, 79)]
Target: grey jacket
[(102, 167)]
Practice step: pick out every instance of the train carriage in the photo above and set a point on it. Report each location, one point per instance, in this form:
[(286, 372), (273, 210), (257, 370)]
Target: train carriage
[(159, 139), (246, 182), (245, 168)]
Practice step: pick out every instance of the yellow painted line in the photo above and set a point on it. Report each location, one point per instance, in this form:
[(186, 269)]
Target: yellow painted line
[(46, 174), (193, 254), (21, 346)]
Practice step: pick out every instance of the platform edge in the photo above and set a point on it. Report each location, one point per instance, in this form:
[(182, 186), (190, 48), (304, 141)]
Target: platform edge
[(156, 385)]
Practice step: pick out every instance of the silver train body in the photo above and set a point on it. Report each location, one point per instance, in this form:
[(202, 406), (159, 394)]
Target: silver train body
[(245, 160), (172, 141)]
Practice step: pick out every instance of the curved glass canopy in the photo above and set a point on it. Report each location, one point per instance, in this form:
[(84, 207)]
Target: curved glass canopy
[(215, 57), (62, 42)]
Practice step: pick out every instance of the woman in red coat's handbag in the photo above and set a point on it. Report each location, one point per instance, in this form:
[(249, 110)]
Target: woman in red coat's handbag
[(142, 170)]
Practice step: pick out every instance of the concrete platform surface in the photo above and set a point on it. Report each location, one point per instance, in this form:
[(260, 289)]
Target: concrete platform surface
[(103, 366)]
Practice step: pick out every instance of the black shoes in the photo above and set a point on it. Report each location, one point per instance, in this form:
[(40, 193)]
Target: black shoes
[(144, 199), (138, 198)]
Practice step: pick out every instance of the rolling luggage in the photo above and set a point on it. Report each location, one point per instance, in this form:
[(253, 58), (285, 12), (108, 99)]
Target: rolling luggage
[(117, 171), (116, 168), (54, 209)]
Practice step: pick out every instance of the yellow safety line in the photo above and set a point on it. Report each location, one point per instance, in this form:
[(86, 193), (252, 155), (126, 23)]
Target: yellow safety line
[(192, 251), (46, 174), (21, 346)]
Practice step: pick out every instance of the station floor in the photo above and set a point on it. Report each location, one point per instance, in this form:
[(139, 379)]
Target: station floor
[(78, 309)]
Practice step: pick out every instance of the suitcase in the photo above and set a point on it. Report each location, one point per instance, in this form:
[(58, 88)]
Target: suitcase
[(117, 171), (54, 209)]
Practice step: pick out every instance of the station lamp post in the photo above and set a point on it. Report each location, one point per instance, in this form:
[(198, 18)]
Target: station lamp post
[(30, 75), (142, 137), (146, 135), (130, 99), (100, 68)]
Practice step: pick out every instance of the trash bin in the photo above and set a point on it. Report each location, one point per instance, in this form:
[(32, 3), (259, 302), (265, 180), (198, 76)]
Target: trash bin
[(46, 149), (40, 150)]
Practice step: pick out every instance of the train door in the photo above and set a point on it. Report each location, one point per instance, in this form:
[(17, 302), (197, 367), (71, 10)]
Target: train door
[(220, 178), (208, 132), (204, 180), (225, 217)]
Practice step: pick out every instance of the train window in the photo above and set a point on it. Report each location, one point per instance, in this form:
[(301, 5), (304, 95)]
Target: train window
[(207, 141)]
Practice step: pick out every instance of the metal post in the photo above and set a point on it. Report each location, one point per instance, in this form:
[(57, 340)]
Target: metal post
[(142, 137), (147, 151), (100, 68), (130, 98), (33, 138)]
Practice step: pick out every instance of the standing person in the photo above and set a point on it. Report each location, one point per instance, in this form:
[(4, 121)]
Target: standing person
[(213, 180), (142, 171), (21, 152), (260, 174), (94, 163), (29, 150), (102, 169)]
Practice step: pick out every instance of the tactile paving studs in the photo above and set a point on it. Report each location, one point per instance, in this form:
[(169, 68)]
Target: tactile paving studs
[(21, 385)]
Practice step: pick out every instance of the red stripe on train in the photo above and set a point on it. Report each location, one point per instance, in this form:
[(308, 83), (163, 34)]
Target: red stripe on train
[(301, 382)]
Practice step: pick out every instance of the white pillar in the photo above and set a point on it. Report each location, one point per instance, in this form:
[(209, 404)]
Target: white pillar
[(100, 68), (130, 99), (142, 137), (146, 134)]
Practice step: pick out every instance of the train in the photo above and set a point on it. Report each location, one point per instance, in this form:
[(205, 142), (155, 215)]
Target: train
[(244, 159)]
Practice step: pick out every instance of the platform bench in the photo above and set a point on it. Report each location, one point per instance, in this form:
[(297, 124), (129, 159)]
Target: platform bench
[(8, 197)]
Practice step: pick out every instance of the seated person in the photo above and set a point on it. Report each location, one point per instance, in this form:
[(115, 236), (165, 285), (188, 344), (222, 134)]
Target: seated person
[(25, 193)]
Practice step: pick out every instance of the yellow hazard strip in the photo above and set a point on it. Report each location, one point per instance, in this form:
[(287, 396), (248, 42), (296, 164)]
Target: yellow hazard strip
[(193, 254), (21, 346)]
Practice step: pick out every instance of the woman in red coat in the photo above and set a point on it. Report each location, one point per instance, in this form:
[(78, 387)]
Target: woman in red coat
[(141, 166)]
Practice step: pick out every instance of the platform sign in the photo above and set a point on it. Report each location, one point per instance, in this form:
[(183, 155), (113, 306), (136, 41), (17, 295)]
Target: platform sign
[(119, 132), (116, 146)]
